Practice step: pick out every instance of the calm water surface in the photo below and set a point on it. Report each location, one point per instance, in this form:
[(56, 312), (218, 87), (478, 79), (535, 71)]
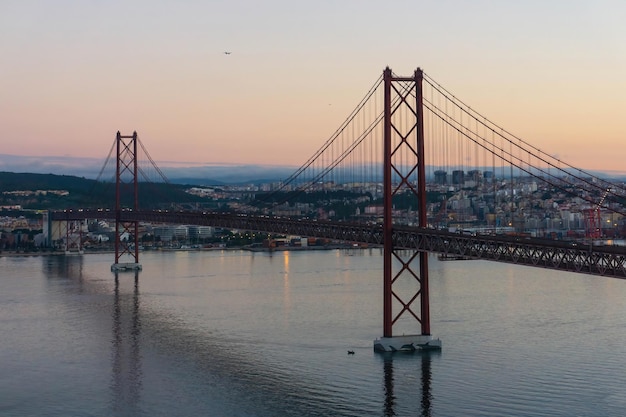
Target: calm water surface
[(236, 333)]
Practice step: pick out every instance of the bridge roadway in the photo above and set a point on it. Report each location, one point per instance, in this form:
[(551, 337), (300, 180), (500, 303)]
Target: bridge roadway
[(552, 254)]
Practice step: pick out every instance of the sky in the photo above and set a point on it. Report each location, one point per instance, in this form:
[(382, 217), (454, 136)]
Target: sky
[(73, 73)]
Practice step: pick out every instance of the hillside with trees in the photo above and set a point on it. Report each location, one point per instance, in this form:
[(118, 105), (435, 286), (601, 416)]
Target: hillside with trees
[(50, 191)]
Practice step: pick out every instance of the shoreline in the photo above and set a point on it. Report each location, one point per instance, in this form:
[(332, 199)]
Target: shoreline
[(250, 249)]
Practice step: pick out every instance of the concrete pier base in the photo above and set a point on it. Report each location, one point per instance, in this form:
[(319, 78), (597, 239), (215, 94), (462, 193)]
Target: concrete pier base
[(406, 343), (130, 266)]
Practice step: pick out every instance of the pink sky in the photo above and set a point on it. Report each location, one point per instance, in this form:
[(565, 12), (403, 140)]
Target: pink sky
[(73, 73)]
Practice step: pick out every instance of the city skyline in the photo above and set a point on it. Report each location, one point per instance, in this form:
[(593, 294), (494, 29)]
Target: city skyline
[(75, 73)]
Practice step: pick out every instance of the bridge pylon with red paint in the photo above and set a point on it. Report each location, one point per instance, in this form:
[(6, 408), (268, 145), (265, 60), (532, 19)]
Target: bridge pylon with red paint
[(126, 183), (404, 174)]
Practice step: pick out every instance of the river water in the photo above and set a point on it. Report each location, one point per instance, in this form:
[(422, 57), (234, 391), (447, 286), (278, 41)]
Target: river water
[(236, 333)]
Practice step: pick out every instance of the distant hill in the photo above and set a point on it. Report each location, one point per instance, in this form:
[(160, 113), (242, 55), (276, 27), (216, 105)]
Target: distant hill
[(10, 181), (84, 193), (210, 174), (197, 175)]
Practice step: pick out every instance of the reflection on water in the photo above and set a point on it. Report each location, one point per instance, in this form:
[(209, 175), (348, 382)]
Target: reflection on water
[(64, 267), (126, 367), (389, 395), (240, 334), (426, 395), (424, 359), (125, 307)]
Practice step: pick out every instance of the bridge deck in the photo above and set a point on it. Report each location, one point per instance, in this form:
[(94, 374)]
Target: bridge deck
[(553, 254)]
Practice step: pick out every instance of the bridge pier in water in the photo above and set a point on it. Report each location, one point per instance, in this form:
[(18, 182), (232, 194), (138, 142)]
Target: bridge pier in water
[(404, 141), (68, 232)]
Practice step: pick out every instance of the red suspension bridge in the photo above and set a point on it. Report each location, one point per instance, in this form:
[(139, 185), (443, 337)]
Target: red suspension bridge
[(408, 140)]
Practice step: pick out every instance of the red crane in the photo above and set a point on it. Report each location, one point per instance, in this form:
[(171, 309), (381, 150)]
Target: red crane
[(593, 219)]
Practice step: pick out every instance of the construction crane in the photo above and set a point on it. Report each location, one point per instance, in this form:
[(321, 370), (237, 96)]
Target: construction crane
[(593, 219)]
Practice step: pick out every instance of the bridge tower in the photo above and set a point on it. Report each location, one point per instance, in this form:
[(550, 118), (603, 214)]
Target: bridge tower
[(126, 232), (404, 174)]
